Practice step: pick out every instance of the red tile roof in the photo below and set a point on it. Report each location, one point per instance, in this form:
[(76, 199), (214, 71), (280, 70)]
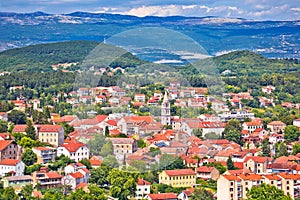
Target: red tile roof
[(143, 182), (76, 175), (53, 175), (111, 122), (231, 177), (4, 144), (257, 159), (6, 136), (251, 177), (19, 128), (95, 162), (179, 172), (204, 169), (162, 196), (73, 146), (272, 177), (11, 162), (81, 185), (50, 128), (100, 118)]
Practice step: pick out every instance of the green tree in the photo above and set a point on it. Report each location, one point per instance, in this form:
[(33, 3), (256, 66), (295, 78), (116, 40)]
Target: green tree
[(232, 131), (107, 149), (29, 157), (99, 175), (106, 131), (296, 148), (26, 192), (17, 117), (27, 142), (281, 149), (291, 133), (168, 162), (212, 136), (266, 148), (30, 130), (141, 143), (96, 144), (202, 194), (218, 166), (86, 162), (3, 126), (110, 161), (9, 193), (197, 132), (266, 192), (229, 163), (67, 128), (123, 184), (140, 165), (154, 151)]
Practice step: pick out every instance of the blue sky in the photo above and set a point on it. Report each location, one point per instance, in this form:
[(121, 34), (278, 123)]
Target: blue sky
[(249, 9)]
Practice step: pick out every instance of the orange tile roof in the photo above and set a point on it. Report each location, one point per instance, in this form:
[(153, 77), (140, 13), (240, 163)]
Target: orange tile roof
[(53, 175), (4, 144), (50, 128), (111, 122), (276, 123), (204, 169), (81, 185), (19, 128), (6, 136), (76, 175), (232, 177), (162, 196), (143, 182), (251, 177), (11, 162), (257, 159), (100, 118), (95, 162), (272, 177), (73, 146), (179, 172)]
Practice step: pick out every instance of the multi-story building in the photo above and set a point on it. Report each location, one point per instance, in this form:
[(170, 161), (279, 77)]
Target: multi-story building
[(178, 178), (276, 126), (239, 115), (44, 154), (75, 150), (235, 187), (46, 179), (206, 173), (123, 147), (14, 167), (16, 182), (252, 126), (256, 164), (142, 189), (8, 149), (52, 134)]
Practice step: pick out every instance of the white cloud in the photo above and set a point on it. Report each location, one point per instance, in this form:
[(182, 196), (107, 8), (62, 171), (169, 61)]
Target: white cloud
[(295, 9)]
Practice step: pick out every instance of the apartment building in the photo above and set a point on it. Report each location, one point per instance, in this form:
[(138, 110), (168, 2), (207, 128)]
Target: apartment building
[(52, 134), (178, 177), (235, 187)]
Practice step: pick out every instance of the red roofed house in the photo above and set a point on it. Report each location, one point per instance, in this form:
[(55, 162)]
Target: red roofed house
[(162, 196), (8, 149), (13, 166), (123, 147), (276, 126), (178, 178), (205, 172), (46, 179), (251, 126), (74, 150), (19, 128), (52, 134), (142, 189), (131, 125), (256, 164)]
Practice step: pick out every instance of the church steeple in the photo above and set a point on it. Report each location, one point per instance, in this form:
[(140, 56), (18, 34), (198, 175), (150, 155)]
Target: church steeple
[(165, 111)]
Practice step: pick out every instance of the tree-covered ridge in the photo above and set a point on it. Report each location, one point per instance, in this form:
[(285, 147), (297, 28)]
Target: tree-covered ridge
[(41, 57)]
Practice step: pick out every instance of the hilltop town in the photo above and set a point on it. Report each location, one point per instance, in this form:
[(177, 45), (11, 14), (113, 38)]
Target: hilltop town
[(162, 142)]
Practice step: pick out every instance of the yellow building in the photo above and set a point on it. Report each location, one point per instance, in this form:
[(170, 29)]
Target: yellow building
[(178, 177), (52, 134)]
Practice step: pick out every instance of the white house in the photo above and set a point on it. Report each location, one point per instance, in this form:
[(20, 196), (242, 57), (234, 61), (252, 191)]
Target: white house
[(142, 189), (14, 166), (74, 150)]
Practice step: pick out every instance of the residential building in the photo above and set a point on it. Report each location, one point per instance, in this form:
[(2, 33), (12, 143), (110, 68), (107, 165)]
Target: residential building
[(16, 182), (140, 97), (206, 173), (14, 167), (276, 126), (178, 178), (46, 179), (142, 189), (75, 150), (256, 164), (252, 126), (8, 149), (123, 147), (52, 134), (44, 154), (239, 115)]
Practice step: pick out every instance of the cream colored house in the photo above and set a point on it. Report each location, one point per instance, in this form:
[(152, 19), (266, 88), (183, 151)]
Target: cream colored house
[(178, 177)]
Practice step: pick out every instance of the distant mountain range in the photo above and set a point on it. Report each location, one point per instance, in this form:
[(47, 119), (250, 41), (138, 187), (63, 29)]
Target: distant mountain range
[(216, 35)]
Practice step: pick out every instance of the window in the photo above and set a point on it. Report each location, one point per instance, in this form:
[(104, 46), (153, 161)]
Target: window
[(231, 183), (287, 182)]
